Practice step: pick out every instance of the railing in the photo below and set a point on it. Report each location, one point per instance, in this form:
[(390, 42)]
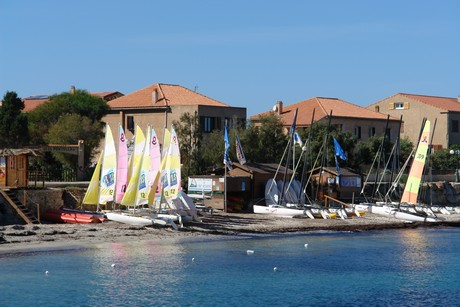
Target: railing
[(63, 175)]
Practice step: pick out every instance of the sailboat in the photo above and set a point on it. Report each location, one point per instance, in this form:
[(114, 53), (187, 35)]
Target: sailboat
[(173, 202), (139, 185), (278, 194), (122, 165), (411, 188), (101, 188)]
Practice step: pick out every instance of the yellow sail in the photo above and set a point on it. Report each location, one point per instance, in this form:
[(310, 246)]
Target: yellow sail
[(136, 155), (108, 169), (416, 171), (92, 193), (143, 186), (172, 173), (129, 198), (166, 142)]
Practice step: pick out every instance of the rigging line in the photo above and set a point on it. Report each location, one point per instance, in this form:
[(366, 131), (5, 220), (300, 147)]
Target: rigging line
[(291, 139), (307, 147), (386, 167), (279, 165), (311, 172), (323, 158), (401, 172), (381, 152)]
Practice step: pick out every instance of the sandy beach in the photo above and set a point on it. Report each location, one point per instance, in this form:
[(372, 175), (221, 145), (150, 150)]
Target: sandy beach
[(218, 224)]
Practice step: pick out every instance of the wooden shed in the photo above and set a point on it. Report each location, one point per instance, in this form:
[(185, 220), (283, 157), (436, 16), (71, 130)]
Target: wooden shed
[(13, 167), (259, 174), (343, 185), (238, 190)]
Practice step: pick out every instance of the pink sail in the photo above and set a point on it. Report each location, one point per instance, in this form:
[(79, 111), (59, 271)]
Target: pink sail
[(155, 165), (122, 165)]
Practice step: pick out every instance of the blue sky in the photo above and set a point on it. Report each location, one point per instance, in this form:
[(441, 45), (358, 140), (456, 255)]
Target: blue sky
[(248, 53)]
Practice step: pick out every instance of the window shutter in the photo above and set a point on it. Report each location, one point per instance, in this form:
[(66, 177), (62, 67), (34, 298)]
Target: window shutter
[(406, 105), (392, 106)]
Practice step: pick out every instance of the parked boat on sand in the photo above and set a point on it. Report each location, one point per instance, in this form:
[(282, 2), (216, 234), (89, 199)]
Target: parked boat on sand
[(73, 217)]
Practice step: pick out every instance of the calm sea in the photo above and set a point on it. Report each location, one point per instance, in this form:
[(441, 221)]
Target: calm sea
[(419, 267)]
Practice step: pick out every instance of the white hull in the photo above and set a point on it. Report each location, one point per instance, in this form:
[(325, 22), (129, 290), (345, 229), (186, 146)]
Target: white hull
[(124, 218), (129, 219), (393, 212), (278, 210)]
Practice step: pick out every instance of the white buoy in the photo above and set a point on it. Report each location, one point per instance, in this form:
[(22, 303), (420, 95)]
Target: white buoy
[(249, 252), (306, 245), (113, 265), (275, 269), (46, 272)]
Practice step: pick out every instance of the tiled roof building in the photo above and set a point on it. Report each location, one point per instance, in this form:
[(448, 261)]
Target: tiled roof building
[(160, 104), (413, 108), (361, 122)]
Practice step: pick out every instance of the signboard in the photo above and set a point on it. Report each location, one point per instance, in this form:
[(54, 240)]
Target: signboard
[(350, 182), (199, 185)]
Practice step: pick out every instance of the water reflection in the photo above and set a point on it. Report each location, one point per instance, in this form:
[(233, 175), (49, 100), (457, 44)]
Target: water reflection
[(416, 252), (136, 270)]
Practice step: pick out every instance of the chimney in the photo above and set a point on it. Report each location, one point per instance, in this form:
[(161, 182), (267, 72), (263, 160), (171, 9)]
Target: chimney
[(279, 107), (155, 96), (72, 89)]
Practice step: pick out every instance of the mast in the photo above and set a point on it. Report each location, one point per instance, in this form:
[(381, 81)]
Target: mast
[(323, 158), (288, 160), (307, 146), (381, 153)]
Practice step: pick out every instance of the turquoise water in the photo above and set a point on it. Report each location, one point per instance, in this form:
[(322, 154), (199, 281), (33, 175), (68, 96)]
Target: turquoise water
[(411, 267)]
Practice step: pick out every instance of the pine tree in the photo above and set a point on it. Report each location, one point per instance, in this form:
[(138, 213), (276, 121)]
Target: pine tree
[(14, 131)]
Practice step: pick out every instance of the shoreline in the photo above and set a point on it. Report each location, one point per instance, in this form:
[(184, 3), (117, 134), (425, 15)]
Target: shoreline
[(213, 226)]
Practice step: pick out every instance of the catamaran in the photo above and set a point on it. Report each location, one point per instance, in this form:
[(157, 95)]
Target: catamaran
[(411, 189)]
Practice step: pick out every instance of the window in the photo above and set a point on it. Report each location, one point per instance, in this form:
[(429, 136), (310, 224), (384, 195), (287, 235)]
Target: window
[(130, 123), (377, 108), (399, 105), (358, 132), (454, 126), (371, 131), (207, 123)]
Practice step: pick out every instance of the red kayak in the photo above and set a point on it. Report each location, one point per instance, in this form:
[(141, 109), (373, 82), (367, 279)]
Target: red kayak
[(64, 216)]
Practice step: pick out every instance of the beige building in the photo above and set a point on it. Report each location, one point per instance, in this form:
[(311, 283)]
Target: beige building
[(158, 105), (361, 122), (413, 108)]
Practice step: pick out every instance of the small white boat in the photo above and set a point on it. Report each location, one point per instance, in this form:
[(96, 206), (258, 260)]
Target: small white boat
[(278, 210), (139, 220), (394, 212), (130, 219)]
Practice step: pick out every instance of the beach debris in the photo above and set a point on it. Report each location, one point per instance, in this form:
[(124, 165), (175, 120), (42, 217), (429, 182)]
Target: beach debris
[(249, 252)]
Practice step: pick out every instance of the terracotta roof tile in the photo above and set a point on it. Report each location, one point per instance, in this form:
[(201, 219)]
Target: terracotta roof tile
[(32, 103), (322, 107), (444, 103), (167, 95)]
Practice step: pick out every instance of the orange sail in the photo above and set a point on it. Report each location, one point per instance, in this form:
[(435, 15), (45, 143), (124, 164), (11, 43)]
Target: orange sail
[(416, 171)]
